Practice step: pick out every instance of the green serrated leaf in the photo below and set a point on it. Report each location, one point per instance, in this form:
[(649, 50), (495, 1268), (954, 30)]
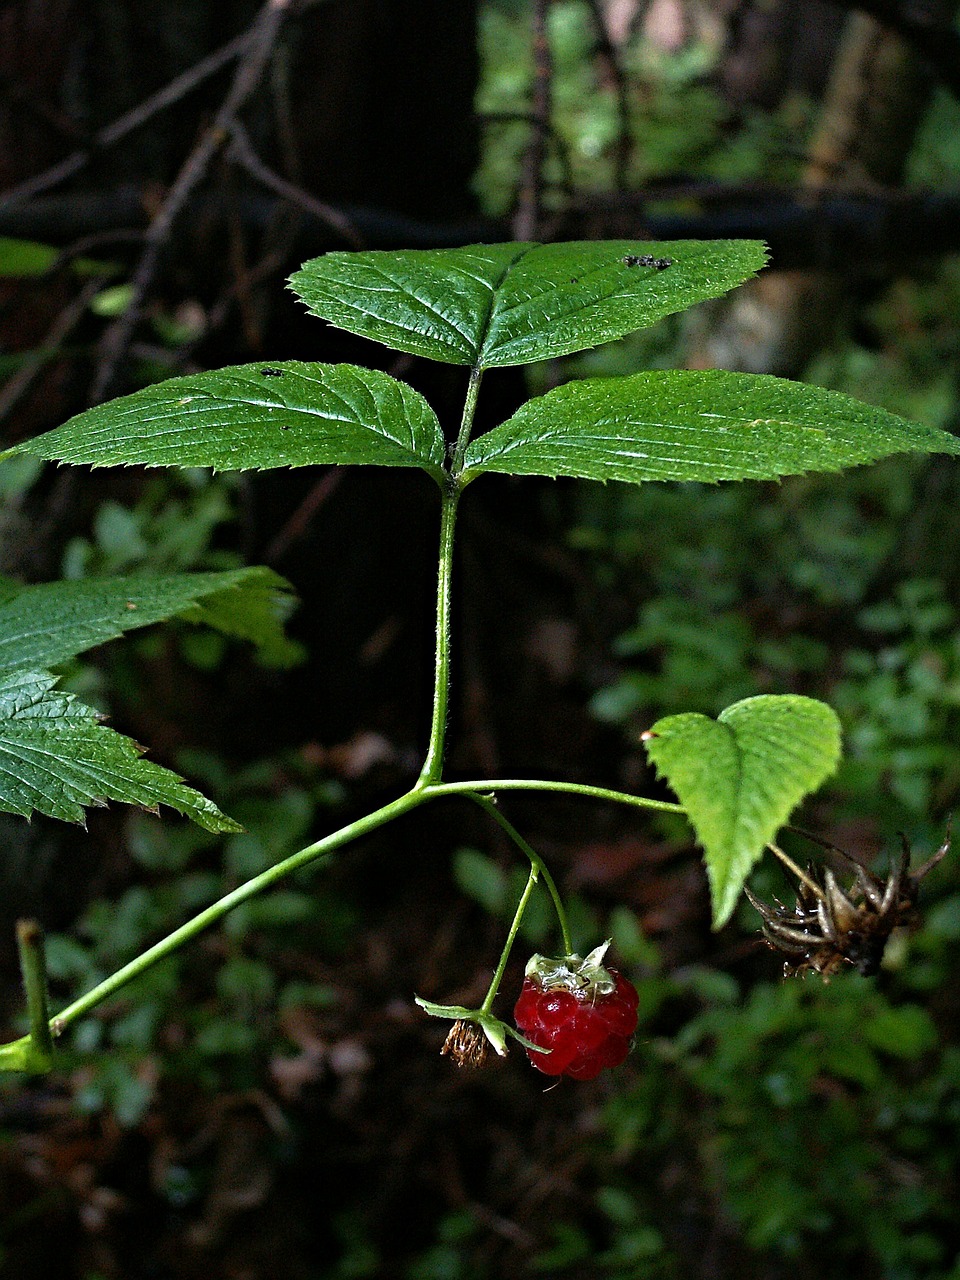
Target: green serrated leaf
[(48, 623), (56, 757), (491, 306), (254, 416), (708, 426), (740, 776)]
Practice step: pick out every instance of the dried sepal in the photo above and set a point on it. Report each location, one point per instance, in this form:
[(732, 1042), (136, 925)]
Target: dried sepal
[(831, 926), (466, 1044)]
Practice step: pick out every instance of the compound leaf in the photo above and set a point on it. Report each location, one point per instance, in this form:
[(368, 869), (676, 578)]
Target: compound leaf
[(255, 416), (490, 306), (56, 757), (708, 426), (740, 776), (49, 623)]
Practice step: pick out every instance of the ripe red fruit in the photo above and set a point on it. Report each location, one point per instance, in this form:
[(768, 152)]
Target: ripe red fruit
[(583, 1013)]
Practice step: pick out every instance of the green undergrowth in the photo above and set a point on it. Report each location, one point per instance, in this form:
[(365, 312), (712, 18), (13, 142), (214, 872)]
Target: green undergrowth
[(245, 977)]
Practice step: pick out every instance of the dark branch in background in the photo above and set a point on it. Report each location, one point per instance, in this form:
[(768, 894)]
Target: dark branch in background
[(243, 155), (610, 59), (17, 386), (932, 36), (828, 230), (845, 231), (836, 231), (296, 527), (526, 220), (259, 46), (560, 148), (133, 119), (56, 120)]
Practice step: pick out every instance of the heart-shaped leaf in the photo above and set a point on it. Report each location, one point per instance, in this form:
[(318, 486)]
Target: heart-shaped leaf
[(253, 416), (678, 425), (56, 757), (490, 306), (740, 776)]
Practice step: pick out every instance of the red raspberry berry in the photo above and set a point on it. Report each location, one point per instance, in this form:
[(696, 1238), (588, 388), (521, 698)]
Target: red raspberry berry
[(583, 1013)]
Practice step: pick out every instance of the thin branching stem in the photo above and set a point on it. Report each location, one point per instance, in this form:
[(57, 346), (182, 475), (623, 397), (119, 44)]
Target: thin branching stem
[(536, 862), (489, 786), (801, 875), (508, 945)]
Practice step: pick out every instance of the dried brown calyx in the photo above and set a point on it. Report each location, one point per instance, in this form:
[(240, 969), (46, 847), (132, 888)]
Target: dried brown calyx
[(832, 926), (466, 1044)]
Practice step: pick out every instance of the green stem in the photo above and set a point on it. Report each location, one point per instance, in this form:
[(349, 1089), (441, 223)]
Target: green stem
[(490, 785), (508, 945), (535, 861), (450, 496), (433, 764), (34, 969), (420, 794), (466, 421), (217, 910)]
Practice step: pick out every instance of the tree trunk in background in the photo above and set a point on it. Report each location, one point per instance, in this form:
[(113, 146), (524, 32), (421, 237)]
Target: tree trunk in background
[(874, 102)]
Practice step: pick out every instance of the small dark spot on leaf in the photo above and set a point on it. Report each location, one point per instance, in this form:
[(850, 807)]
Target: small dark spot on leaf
[(647, 260), (574, 279), (271, 373)]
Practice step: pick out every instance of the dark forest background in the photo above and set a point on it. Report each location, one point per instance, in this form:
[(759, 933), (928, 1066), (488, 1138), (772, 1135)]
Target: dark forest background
[(271, 1102)]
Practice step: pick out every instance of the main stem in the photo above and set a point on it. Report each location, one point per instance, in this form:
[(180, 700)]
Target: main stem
[(449, 500), (466, 421), (433, 764)]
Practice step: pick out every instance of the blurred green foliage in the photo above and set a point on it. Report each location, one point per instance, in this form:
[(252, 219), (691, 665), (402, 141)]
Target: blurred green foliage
[(228, 1033), (676, 122)]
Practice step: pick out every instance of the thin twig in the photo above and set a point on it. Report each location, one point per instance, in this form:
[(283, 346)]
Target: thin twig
[(561, 148), (171, 93), (261, 40), (297, 525), (243, 154), (609, 56), (219, 313), (16, 387)]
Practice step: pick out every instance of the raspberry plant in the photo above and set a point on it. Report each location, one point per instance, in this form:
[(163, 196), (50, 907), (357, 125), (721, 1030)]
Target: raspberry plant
[(482, 307)]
